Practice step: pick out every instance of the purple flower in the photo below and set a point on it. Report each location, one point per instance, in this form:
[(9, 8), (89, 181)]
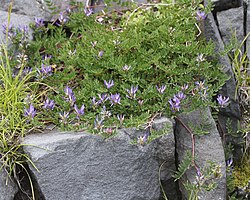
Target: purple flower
[(229, 162), (105, 113), (132, 92), (49, 104), (121, 118), (62, 20), (100, 54), (45, 71), (98, 123), (175, 104), (94, 102), (180, 96), (109, 130), (200, 84), (79, 112), (39, 22), (115, 99), (46, 57), (26, 71), (88, 11), (199, 176), (68, 10), (102, 98), (126, 67), (9, 30), (109, 84), (140, 102), (30, 112), (223, 101), (184, 87), (161, 89), (200, 15), (23, 30), (143, 139), (64, 117), (70, 95), (68, 91)]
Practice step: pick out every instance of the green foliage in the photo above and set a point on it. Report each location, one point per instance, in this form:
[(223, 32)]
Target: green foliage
[(51, 6), (241, 173), (183, 166), (204, 181), (157, 43)]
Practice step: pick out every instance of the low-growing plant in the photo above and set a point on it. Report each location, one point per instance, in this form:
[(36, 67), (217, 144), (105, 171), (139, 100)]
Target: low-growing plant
[(111, 70), (108, 70)]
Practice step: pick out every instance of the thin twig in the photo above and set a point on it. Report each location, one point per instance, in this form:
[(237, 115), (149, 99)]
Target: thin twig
[(193, 142)]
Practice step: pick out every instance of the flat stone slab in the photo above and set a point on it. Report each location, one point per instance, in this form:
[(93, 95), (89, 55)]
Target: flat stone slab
[(81, 166)]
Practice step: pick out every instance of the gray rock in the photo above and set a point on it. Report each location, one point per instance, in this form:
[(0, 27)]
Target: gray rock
[(231, 112), (7, 191), (15, 20), (231, 24), (220, 5), (24, 7), (207, 148), (81, 166)]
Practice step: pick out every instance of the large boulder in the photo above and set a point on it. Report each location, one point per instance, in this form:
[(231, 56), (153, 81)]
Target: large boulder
[(228, 117), (207, 148), (81, 166), (8, 188)]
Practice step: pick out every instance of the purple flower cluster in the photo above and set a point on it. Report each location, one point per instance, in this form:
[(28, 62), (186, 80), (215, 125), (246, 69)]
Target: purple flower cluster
[(201, 89), (70, 95), (201, 15), (161, 89), (109, 84), (30, 112), (39, 23), (175, 102), (143, 139), (45, 71), (64, 117), (61, 20), (88, 11), (98, 123), (132, 92), (79, 112), (49, 104), (9, 30), (115, 99), (223, 101)]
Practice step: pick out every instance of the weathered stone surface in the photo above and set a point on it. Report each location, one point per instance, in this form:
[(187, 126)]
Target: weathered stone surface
[(231, 24), (24, 7), (7, 192), (231, 112), (15, 20), (80, 166), (207, 148)]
